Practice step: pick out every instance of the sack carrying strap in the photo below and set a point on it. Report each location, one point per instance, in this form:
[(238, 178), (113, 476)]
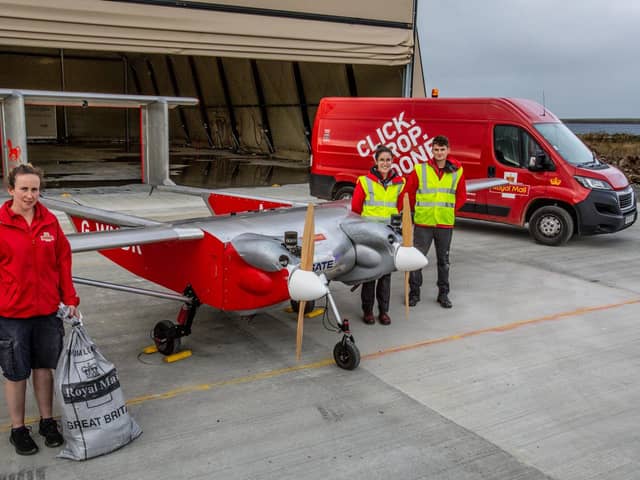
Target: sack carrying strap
[(63, 314)]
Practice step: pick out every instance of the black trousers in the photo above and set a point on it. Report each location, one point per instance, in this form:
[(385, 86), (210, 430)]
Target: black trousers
[(382, 293), (422, 239)]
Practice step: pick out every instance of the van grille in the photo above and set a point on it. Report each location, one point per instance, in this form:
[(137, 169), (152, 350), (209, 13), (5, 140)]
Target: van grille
[(626, 199)]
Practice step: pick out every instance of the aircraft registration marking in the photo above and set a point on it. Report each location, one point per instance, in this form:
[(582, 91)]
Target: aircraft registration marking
[(324, 265), (85, 227)]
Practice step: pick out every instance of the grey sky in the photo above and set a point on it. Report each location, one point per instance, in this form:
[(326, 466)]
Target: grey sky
[(584, 54)]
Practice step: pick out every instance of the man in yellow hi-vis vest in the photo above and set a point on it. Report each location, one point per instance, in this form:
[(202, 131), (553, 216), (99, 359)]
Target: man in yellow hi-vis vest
[(377, 197), (436, 190)]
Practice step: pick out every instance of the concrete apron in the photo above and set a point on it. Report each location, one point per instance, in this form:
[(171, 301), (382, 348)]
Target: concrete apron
[(530, 375)]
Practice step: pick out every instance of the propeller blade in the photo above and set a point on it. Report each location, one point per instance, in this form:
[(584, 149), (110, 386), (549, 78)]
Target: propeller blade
[(407, 224), (299, 331), (406, 295), (407, 241), (306, 264), (306, 258)]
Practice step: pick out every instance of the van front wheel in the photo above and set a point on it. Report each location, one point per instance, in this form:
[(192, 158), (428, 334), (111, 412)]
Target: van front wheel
[(551, 225), (344, 193)]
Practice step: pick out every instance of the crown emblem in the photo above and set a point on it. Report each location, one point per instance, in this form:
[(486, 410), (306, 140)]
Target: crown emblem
[(555, 181)]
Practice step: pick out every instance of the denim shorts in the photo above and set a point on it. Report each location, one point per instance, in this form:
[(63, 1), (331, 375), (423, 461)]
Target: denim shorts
[(28, 343)]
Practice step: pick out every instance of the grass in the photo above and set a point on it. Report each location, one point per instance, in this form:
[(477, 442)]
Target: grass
[(620, 149)]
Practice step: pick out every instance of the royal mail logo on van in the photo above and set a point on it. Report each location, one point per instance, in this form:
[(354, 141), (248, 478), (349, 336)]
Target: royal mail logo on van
[(47, 237), (555, 181), (406, 139), (511, 177), (511, 189)]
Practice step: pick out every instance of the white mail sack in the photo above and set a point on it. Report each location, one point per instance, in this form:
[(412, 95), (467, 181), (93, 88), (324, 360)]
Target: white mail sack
[(94, 419)]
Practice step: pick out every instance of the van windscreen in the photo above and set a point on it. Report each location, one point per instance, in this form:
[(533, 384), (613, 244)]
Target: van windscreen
[(566, 143)]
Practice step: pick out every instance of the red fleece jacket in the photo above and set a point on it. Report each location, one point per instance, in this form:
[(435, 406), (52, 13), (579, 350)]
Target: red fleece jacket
[(35, 264)]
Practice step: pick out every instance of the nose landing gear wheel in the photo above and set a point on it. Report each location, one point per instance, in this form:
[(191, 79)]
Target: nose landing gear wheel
[(165, 337), (346, 354), (308, 307)]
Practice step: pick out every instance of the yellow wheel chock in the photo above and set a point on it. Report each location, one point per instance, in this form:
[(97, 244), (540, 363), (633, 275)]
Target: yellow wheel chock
[(175, 357)]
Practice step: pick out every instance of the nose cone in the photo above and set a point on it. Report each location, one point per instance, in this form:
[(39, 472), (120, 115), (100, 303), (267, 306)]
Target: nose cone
[(408, 259), (304, 285)]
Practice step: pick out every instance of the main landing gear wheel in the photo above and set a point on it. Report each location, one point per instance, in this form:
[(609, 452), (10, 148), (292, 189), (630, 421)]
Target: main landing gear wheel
[(346, 354), (308, 307), (165, 336)]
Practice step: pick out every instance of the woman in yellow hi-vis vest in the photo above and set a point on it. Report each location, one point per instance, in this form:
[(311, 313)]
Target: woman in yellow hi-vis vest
[(377, 197), (436, 190)]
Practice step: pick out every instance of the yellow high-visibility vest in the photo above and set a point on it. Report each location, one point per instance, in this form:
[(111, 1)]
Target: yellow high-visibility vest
[(380, 203), (436, 197)]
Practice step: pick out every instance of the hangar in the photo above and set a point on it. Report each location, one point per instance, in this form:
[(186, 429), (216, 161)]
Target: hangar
[(258, 69)]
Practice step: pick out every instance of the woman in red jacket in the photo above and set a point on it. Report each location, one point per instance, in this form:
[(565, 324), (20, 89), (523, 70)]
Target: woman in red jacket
[(35, 277)]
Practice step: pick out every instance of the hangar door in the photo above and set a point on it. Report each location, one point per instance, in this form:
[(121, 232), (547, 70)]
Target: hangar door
[(258, 68)]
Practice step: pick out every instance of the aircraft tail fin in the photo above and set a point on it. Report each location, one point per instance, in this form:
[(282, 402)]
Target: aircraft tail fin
[(223, 203)]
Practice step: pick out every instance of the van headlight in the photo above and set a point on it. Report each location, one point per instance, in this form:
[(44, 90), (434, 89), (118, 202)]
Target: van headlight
[(593, 183)]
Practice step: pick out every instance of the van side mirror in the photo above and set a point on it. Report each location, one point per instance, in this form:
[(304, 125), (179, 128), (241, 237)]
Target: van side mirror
[(540, 163)]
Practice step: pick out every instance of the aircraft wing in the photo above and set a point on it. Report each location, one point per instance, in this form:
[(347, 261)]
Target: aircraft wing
[(98, 214), (85, 242), (221, 203), (135, 231), (484, 183)]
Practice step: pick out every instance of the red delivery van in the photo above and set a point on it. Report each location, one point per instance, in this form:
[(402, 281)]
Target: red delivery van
[(556, 184)]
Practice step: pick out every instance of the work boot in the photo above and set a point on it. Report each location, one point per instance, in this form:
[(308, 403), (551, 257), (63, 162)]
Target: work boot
[(443, 300), (368, 318), (49, 430), (21, 439), (384, 318), (413, 299)]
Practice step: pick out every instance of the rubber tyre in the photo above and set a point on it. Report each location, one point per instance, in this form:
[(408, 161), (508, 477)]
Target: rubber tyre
[(308, 308), (346, 355), (343, 193), (163, 337), (551, 225)]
